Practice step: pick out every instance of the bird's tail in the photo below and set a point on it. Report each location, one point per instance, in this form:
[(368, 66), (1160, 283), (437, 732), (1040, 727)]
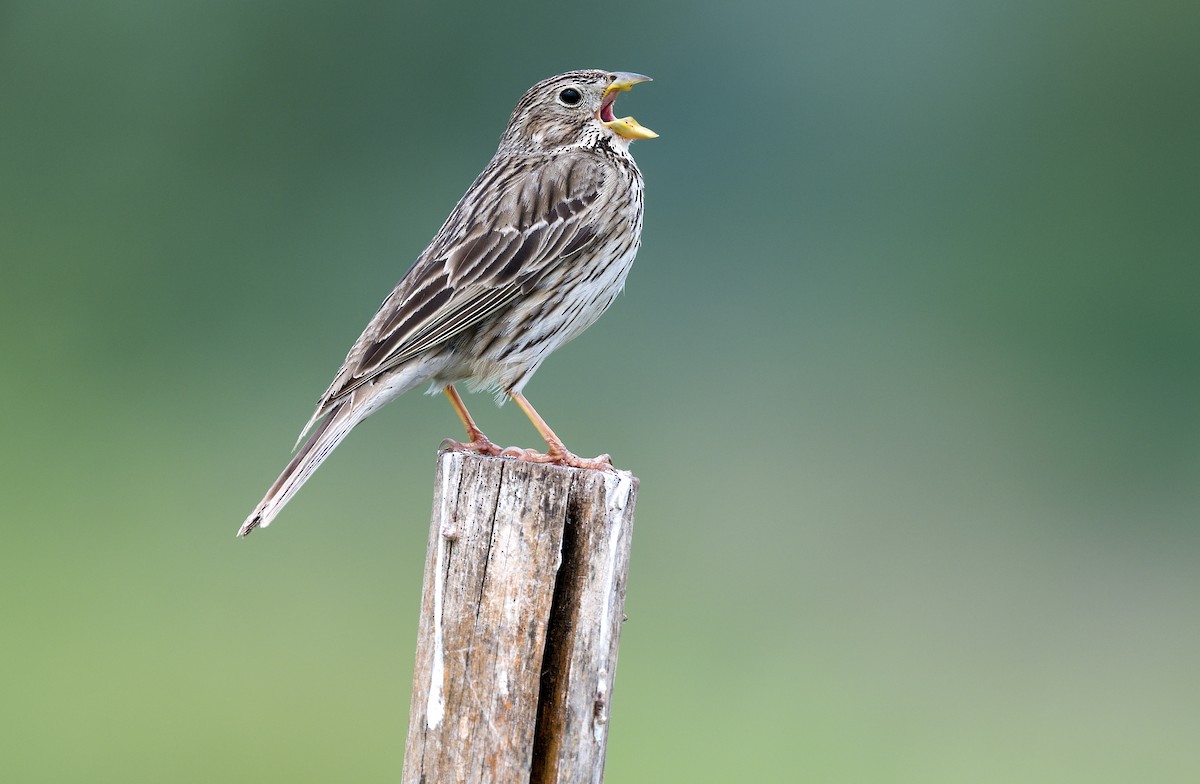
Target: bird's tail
[(329, 433)]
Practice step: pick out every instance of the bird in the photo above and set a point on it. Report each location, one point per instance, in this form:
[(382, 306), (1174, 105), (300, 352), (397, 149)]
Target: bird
[(533, 253)]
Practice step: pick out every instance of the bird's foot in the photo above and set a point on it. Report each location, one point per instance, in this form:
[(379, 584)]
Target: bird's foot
[(480, 445), (560, 457)]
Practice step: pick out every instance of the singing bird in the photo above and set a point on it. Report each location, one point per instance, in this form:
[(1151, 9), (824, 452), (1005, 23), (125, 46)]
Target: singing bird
[(533, 253)]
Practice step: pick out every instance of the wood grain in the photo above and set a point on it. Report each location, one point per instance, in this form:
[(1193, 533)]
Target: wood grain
[(521, 614)]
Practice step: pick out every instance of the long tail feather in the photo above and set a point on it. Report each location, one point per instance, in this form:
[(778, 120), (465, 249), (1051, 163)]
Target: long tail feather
[(340, 421)]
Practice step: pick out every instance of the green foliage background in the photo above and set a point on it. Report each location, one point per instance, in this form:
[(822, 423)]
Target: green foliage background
[(909, 368)]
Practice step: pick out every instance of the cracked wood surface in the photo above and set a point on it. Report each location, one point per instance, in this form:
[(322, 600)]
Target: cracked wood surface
[(521, 613)]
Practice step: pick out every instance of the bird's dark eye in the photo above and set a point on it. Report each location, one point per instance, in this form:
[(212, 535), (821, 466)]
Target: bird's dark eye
[(570, 96)]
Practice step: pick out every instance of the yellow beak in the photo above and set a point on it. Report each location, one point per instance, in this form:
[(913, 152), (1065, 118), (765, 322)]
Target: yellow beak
[(623, 126)]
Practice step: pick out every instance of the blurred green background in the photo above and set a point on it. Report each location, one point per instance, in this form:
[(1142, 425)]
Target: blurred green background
[(909, 368)]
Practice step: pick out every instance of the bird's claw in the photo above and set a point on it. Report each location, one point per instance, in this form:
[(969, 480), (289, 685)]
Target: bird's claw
[(481, 445), (557, 457)]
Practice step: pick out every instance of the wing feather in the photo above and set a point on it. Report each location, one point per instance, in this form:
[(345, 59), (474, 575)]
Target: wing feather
[(485, 256)]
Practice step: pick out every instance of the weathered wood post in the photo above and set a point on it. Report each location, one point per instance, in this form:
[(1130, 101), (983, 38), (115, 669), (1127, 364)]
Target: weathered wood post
[(521, 614)]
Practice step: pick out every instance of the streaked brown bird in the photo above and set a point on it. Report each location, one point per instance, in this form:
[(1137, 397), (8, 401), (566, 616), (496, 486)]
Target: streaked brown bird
[(533, 253)]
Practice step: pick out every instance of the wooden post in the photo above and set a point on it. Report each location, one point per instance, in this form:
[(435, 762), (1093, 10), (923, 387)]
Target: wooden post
[(521, 614)]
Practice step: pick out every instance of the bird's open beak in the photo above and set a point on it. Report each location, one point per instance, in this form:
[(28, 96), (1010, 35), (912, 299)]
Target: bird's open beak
[(623, 126)]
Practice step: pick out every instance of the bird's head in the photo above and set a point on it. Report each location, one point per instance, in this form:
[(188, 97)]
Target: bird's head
[(573, 108)]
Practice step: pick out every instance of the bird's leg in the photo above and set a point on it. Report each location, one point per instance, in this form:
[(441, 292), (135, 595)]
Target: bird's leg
[(557, 453), (479, 443)]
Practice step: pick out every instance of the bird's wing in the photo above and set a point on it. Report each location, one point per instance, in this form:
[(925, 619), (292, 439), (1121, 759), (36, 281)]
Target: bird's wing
[(515, 223)]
